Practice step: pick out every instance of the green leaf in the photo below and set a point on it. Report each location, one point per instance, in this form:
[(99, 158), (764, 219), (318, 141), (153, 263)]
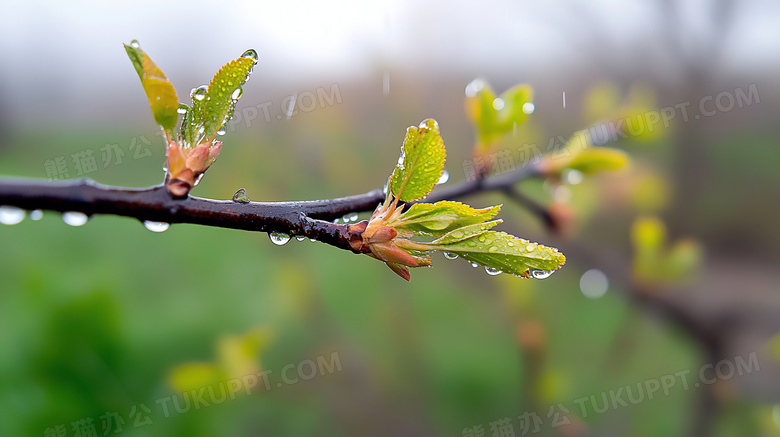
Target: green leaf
[(513, 113), (223, 92), (421, 162), (501, 251), (481, 113), (441, 217), (465, 232), (595, 159), (159, 90), (213, 106)]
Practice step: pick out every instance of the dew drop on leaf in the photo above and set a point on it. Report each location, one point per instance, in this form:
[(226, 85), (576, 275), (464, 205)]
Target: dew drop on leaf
[(11, 215), (475, 265), (36, 214), (74, 218), (135, 44), (278, 238), (450, 255), (541, 274), (300, 238), (221, 131), (492, 272), (237, 93), (251, 54), (156, 226), (445, 176), (199, 93)]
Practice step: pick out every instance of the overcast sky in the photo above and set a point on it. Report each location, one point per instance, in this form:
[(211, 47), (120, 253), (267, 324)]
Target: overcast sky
[(55, 52)]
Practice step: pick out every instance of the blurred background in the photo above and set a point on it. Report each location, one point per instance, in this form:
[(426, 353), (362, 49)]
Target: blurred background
[(663, 321)]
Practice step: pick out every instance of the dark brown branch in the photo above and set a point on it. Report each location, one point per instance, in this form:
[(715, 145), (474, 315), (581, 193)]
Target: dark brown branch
[(312, 219)]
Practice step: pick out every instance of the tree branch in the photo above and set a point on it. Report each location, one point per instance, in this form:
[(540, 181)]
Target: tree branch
[(312, 219)]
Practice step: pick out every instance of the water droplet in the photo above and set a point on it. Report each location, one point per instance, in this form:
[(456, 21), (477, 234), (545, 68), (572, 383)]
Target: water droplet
[(474, 87), (251, 53), (573, 177), (74, 218), (278, 238), (384, 189), (445, 176), (240, 196), (199, 93), (36, 214), (156, 226), (562, 194), (182, 109), (221, 131), (594, 283), (498, 103), (350, 217), (197, 180), (450, 255), (11, 215), (237, 93), (529, 108), (493, 272), (457, 234), (312, 240), (481, 238), (401, 159), (530, 247), (336, 221), (475, 265), (493, 249), (135, 44), (540, 274), (300, 238)]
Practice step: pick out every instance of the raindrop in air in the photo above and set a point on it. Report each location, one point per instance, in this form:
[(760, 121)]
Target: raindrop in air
[(300, 238), (199, 93), (237, 93), (475, 265), (493, 272), (135, 44), (278, 238), (74, 218), (240, 196), (541, 274), (11, 215), (156, 226), (594, 283), (573, 177), (445, 176), (36, 214), (251, 53), (474, 87), (529, 108), (450, 255)]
